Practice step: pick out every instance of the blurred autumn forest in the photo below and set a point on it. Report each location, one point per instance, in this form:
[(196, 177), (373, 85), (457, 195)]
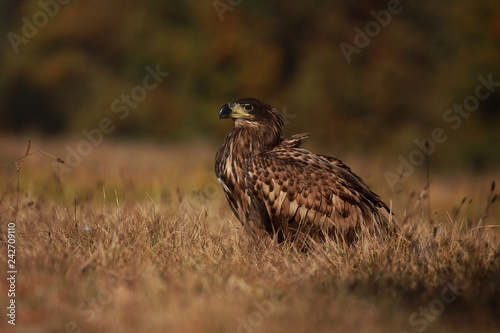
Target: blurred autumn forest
[(64, 76)]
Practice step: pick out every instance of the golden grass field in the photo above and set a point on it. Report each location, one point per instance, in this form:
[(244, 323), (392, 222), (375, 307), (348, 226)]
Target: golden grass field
[(139, 238)]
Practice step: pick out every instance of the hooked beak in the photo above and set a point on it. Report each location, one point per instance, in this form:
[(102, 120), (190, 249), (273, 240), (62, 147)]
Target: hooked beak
[(225, 111), (232, 110)]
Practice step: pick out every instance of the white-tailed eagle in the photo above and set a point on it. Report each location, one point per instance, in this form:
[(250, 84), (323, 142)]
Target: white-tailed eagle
[(276, 188)]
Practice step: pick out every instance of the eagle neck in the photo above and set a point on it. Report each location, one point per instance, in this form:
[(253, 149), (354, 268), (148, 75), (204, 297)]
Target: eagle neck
[(249, 140)]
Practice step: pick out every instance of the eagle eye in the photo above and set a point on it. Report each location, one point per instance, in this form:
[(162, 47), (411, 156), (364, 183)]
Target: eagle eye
[(249, 107)]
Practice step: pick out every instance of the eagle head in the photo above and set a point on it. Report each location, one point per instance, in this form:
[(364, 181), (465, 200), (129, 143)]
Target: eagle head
[(250, 112)]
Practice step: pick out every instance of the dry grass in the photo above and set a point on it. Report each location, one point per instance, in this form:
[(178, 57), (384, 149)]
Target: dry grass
[(123, 244)]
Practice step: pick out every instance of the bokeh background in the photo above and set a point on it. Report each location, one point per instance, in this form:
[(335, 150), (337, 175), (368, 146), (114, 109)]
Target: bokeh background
[(396, 89)]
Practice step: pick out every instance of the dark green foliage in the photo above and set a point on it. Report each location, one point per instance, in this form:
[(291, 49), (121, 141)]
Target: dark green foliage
[(428, 57)]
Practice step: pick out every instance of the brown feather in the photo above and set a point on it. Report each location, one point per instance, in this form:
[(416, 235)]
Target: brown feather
[(275, 187)]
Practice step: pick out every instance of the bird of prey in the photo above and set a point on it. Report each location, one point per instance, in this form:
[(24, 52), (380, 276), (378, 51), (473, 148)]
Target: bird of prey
[(278, 189)]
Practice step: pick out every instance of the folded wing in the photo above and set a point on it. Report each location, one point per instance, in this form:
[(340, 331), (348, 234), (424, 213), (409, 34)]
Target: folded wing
[(315, 195)]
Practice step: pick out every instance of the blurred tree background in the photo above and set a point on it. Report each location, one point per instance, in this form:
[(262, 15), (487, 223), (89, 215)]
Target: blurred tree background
[(63, 77)]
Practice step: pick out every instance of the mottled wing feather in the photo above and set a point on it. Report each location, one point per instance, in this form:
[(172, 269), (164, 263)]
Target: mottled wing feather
[(371, 196), (295, 141), (310, 193)]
